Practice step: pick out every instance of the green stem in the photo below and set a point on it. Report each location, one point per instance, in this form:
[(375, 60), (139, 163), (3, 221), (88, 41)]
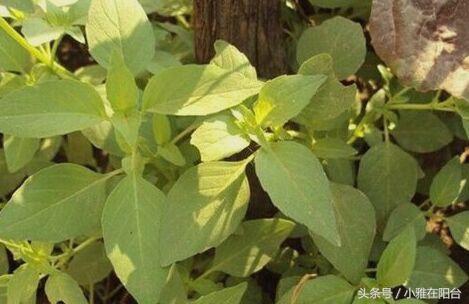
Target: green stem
[(57, 68), (184, 133)]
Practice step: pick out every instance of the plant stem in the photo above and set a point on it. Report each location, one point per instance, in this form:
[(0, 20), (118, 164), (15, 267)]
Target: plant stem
[(57, 68), (185, 132)]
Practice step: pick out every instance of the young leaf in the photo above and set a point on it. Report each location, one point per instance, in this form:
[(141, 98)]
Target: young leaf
[(327, 289), (60, 287), (396, 30), (206, 205), (161, 129), (398, 259), (90, 265), (171, 153), (121, 89), (342, 38), (284, 97), (331, 148), (434, 269), (50, 108), (57, 203), (219, 137), (421, 132), (388, 176), (22, 285), (13, 57), (120, 26), (228, 57), (19, 151), (459, 227), (308, 199), (197, 90), (131, 231), (127, 126), (252, 248), (447, 184), (404, 216), (232, 295), (357, 224)]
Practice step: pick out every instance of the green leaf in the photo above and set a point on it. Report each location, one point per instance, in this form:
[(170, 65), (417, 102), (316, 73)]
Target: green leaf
[(398, 259), (447, 184), (434, 269), (295, 181), (79, 150), (388, 176), (38, 31), (19, 151), (284, 97), (161, 129), (22, 5), (162, 61), (404, 216), (8, 181), (60, 287), (459, 227), (174, 291), (357, 224), (228, 57), (206, 205), (252, 247), (342, 38), (57, 203), (341, 171), (131, 231), (13, 57), (197, 90), (121, 89), (327, 289), (219, 137), (171, 153), (232, 295), (421, 132), (122, 26), (317, 65), (4, 264), (332, 148), (90, 265), (22, 285), (127, 127), (50, 108)]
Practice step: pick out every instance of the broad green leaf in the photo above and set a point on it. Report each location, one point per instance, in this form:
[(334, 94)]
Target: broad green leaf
[(122, 26), (171, 153), (161, 129), (252, 247), (60, 287), (388, 176), (79, 150), (332, 99), (57, 203), (197, 90), (121, 89), (50, 108), (90, 265), (404, 216), (295, 181), (342, 38), (19, 151), (327, 289), (228, 57), (434, 269), (174, 290), (459, 227), (421, 132), (22, 285), (447, 184), (38, 31), (341, 171), (22, 5), (219, 137), (13, 57), (398, 259), (8, 181), (131, 232), (357, 224), (205, 206), (284, 97), (232, 295), (162, 61), (332, 148)]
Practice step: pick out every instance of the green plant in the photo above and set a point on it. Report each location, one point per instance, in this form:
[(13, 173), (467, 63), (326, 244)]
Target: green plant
[(138, 165)]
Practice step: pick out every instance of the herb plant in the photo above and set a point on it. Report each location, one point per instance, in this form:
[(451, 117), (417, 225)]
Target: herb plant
[(143, 173)]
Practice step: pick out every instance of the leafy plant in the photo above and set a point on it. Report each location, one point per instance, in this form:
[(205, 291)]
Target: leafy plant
[(151, 168)]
